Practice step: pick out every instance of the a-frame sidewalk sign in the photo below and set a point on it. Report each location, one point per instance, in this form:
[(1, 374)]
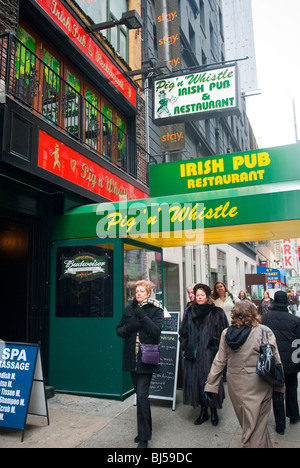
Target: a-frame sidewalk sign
[(22, 387)]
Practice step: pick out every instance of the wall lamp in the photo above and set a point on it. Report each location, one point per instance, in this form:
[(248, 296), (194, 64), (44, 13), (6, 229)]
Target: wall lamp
[(131, 19), (161, 68)]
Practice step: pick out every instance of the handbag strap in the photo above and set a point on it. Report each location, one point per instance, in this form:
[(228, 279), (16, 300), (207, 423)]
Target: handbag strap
[(264, 332)]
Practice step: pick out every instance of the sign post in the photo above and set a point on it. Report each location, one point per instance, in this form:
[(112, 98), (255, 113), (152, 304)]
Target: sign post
[(22, 389)]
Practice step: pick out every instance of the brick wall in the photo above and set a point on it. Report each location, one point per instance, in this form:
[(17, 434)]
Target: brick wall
[(9, 14)]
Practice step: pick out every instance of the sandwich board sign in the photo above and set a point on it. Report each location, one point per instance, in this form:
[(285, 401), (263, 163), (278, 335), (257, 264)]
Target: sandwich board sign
[(22, 388)]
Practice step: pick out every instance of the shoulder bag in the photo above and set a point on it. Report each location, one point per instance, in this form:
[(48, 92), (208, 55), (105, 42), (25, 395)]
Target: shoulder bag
[(266, 366), (149, 353)]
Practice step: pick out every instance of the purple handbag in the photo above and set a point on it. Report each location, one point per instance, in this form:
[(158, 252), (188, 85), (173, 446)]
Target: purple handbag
[(150, 353)]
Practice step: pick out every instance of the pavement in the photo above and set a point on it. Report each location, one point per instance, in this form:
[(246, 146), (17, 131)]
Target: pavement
[(83, 422)]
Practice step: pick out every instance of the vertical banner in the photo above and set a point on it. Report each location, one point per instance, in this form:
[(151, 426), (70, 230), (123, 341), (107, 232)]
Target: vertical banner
[(288, 253), (168, 45)]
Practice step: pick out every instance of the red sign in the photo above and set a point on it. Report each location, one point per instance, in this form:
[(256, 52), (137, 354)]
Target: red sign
[(63, 161), (68, 24), (287, 254)]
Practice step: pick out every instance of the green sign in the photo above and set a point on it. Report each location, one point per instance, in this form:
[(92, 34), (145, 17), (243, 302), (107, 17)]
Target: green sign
[(257, 167)]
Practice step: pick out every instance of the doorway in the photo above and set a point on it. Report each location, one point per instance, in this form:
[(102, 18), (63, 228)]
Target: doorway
[(14, 254)]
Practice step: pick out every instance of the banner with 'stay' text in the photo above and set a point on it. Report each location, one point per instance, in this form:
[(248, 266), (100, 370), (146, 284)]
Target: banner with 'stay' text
[(168, 48)]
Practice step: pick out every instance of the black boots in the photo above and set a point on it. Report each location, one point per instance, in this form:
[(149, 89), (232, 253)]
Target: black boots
[(214, 416), (204, 416)]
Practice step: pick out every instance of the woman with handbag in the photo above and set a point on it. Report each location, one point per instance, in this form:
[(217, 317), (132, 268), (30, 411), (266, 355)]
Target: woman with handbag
[(141, 323), (251, 395), (200, 334)]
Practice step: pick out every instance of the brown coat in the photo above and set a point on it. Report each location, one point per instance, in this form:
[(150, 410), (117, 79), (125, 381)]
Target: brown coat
[(251, 396)]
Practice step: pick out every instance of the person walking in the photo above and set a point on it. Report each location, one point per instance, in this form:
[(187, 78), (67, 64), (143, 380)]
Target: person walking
[(266, 303), (286, 328), (251, 395), (142, 322), (199, 334), (293, 302), (224, 298)]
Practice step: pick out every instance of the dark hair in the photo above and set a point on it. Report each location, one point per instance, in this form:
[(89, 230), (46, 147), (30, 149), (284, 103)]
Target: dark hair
[(244, 313), (215, 295)]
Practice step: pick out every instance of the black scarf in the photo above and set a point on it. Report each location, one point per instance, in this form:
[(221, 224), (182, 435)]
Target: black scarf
[(236, 337), (200, 311)]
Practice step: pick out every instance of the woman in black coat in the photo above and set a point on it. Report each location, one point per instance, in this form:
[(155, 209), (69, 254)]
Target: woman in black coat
[(286, 328), (200, 335), (141, 323)]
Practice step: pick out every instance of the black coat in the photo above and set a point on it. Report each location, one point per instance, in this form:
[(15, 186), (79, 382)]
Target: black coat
[(149, 328), (286, 328), (200, 334)]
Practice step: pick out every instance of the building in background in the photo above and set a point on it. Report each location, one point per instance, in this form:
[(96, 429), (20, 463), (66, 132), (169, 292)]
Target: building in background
[(203, 39)]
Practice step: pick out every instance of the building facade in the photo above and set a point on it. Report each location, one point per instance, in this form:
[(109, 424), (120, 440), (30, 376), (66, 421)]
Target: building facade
[(207, 34), (68, 138), (77, 129)]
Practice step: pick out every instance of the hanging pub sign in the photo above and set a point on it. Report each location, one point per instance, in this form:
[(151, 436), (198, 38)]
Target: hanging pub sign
[(84, 267), (194, 96)]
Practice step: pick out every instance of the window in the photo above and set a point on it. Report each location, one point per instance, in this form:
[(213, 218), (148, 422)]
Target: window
[(65, 94), (106, 10), (71, 104), (25, 66), (50, 95), (142, 264), (80, 292)]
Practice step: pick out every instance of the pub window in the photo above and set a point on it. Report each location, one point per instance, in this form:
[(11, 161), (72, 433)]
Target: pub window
[(92, 116), (50, 94), (71, 104), (84, 284), (25, 67)]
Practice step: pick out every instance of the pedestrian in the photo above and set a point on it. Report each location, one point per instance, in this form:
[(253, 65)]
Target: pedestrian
[(190, 291), (266, 303), (286, 328), (199, 335), (251, 395), (242, 296), (142, 322), (293, 302), (224, 298)]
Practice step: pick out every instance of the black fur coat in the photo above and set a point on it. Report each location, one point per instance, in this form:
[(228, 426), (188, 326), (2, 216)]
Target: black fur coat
[(200, 334)]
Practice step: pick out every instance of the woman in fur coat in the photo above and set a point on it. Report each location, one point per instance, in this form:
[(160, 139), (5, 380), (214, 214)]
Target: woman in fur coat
[(199, 334)]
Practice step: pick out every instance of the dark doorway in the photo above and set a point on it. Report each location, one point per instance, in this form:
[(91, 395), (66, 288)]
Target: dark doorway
[(14, 248)]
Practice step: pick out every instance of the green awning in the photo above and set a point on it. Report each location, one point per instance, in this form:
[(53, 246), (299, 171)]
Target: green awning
[(244, 214)]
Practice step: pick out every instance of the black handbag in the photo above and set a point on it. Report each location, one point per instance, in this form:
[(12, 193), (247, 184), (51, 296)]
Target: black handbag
[(266, 365)]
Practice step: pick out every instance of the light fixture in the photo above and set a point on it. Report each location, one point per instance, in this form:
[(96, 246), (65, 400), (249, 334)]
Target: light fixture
[(161, 68), (131, 19)]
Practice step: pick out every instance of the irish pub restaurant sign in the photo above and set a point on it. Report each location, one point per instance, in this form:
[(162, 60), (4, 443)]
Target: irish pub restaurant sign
[(197, 95)]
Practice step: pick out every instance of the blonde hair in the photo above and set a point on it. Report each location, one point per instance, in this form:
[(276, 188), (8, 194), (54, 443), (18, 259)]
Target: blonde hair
[(145, 284)]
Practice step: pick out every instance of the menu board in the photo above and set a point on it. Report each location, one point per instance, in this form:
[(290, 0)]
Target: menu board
[(164, 384)]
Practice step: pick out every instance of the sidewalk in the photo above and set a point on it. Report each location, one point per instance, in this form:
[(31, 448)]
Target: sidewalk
[(97, 423)]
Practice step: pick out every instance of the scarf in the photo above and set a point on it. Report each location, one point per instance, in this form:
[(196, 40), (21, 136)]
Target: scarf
[(236, 337)]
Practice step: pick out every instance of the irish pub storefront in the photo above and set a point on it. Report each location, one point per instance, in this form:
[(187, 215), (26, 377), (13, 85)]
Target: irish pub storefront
[(68, 138), (113, 244)]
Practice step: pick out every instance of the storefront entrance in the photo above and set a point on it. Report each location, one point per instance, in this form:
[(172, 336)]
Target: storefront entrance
[(91, 281), (14, 248)]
